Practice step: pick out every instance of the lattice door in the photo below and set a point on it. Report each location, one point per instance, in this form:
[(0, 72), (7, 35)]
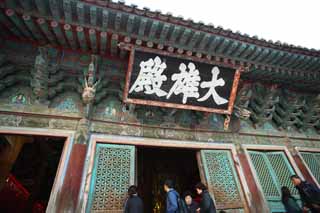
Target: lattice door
[(312, 159), (273, 170), (222, 179), (112, 174)]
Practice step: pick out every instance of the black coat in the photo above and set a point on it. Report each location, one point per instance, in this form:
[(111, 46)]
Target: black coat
[(309, 193), (192, 208), (310, 196), (206, 204), (134, 204)]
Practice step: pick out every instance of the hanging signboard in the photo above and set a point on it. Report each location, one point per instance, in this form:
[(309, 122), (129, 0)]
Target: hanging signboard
[(163, 79)]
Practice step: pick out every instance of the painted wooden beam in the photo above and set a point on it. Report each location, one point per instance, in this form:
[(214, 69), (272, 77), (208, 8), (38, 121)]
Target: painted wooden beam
[(19, 23), (263, 56), (255, 54), (300, 60), (313, 64), (80, 13), (26, 5), (164, 32), (278, 58), (223, 46), (130, 24), (123, 53), (45, 29), (150, 44), (67, 11), (175, 34), (114, 44), (153, 30), (11, 27), (42, 7), (103, 42), (293, 61), (70, 37), (216, 42), (273, 56), (248, 51), (160, 46), (93, 16), (142, 27), (93, 40), (139, 42), (59, 34), (232, 48), (185, 37), (241, 50), (105, 20), (284, 59), (205, 42), (117, 22), (81, 38), (304, 63), (33, 28), (195, 39), (55, 10)]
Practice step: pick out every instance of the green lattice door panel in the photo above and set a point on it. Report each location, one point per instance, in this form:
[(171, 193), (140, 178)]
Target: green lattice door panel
[(312, 161), (273, 171), (222, 179), (112, 174)]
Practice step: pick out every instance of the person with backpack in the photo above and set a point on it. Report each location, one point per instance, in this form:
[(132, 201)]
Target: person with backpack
[(289, 202), (172, 205), (206, 204), (309, 193)]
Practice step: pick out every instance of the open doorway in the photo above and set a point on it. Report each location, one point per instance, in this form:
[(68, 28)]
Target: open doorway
[(31, 175), (155, 165)]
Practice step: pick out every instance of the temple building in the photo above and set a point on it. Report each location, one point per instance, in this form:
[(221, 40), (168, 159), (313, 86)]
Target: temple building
[(97, 95)]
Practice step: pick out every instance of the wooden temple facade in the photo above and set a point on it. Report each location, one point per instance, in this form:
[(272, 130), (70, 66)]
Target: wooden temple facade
[(63, 74)]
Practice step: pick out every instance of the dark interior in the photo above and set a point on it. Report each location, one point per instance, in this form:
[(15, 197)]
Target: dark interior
[(33, 172), (155, 165)]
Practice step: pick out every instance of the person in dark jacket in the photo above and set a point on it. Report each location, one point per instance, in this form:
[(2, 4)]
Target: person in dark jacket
[(206, 204), (289, 202), (309, 193), (172, 197), (134, 203), (191, 206)]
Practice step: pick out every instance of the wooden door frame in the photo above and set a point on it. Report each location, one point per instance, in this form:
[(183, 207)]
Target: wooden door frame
[(306, 149), (64, 158), (248, 147), (155, 142)]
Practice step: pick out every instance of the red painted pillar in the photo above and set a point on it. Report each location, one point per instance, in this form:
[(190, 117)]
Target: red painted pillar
[(303, 169), (256, 199), (68, 196)]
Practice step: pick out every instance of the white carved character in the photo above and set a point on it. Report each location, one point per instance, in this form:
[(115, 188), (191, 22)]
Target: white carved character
[(215, 82), (150, 77), (186, 82)]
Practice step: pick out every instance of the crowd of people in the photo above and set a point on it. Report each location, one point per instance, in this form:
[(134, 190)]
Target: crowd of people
[(309, 195), (174, 203)]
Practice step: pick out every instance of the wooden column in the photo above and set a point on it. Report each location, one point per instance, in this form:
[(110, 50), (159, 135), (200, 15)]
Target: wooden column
[(10, 154), (255, 197), (303, 169), (69, 194)]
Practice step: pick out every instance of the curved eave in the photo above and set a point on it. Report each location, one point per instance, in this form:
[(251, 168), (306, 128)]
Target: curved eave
[(88, 26)]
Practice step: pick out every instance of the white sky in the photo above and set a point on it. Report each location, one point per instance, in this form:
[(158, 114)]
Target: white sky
[(295, 22)]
